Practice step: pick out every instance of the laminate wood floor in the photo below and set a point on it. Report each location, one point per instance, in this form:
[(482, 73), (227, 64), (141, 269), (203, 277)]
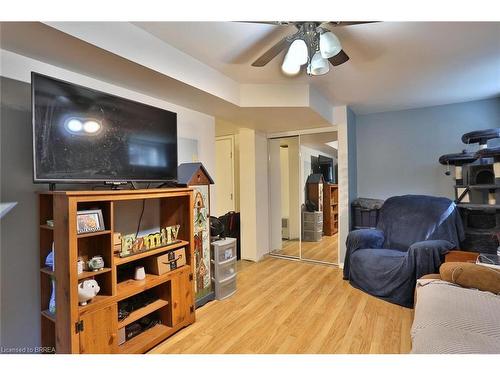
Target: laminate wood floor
[(325, 250), (285, 306)]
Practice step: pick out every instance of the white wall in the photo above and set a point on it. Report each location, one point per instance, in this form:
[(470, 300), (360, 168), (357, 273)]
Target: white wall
[(20, 324), (254, 192), (262, 195)]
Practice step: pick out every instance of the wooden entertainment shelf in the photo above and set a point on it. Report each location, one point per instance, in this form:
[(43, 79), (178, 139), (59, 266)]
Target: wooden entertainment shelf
[(94, 328)]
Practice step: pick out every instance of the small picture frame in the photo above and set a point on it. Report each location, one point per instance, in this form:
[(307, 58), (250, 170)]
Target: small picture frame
[(89, 221)]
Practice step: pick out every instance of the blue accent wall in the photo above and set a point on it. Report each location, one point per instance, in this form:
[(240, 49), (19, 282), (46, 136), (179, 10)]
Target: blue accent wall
[(397, 152)]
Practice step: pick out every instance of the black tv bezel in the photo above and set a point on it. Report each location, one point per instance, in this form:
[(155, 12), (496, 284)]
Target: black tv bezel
[(90, 180)]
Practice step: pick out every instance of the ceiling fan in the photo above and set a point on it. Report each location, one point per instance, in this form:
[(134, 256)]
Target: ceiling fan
[(313, 45)]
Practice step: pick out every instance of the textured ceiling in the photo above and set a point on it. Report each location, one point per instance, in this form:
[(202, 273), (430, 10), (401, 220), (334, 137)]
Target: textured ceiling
[(393, 66)]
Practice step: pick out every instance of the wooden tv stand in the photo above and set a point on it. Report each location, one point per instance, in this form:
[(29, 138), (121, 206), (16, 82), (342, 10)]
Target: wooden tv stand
[(94, 328)]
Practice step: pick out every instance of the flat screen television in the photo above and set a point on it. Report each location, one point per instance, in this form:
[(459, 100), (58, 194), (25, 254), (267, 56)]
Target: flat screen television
[(84, 135), (327, 168)]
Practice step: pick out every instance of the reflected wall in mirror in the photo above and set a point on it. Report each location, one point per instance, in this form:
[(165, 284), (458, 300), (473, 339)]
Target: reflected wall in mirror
[(319, 197), (285, 196)]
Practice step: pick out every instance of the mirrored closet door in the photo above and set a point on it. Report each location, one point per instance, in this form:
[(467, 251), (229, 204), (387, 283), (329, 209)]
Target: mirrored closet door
[(319, 197), (285, 196)]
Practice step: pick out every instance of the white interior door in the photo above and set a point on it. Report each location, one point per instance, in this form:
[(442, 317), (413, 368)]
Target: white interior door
[(224, 174)]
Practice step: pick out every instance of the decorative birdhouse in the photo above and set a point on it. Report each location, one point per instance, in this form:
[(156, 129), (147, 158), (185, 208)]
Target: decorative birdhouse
[(196, 176)]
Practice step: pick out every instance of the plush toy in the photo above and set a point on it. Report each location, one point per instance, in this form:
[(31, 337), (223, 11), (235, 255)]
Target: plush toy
[(87, 290)]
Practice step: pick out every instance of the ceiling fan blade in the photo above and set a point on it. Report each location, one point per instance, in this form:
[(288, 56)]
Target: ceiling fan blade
[(272, 52), (346, 23), (275, 23), (339, 58)]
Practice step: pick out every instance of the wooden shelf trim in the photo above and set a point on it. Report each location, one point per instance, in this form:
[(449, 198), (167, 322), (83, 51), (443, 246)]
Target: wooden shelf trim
[(146, 339), (47, 270), (92, 234), (119, 261), (49, 315), (88, 274), (142, 312), (114, 193)]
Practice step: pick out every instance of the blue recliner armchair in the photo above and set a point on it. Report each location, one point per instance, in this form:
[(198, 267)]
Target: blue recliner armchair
[(413, 234)]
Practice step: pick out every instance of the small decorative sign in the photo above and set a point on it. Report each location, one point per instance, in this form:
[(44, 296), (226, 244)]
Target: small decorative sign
[(132, 245)]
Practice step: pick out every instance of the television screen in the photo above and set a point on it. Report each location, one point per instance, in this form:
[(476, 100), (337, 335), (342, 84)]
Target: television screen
[(326, 168), (84, 135)]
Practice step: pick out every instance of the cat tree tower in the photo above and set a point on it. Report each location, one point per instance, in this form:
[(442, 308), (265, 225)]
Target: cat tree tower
[(477, 190)]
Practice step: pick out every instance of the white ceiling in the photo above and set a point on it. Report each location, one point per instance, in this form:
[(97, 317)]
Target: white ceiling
[(318, 141), (46, 44), (393, 65)]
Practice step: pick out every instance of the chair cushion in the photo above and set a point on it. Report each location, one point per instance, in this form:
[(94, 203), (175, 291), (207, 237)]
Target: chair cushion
[(376, 260)]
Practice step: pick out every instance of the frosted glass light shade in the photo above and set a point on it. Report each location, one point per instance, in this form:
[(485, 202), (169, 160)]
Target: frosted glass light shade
[(289, 68), (298, 52), (329, 45), (319, 65), (295, 57)]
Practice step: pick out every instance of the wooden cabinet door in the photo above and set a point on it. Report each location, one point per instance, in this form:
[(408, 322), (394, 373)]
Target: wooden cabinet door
[(182, 298), (98, 331)]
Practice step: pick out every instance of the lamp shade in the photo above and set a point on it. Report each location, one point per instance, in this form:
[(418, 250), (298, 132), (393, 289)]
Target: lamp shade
[(318, 66), (289, 67), (295, 57), (298, 52), (329, 45)]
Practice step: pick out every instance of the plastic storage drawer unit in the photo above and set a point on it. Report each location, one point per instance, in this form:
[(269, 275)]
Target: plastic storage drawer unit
[(225, 288), (223, 266), (224, 249), (225, 271), (312, 235)]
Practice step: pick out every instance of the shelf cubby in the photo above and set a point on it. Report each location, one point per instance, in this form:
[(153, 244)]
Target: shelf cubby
[(144, 340), (132, 258), (159, 299)]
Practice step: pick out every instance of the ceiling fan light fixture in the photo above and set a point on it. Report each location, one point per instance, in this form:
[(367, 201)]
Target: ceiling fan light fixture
[(329, 44), (318, 66)]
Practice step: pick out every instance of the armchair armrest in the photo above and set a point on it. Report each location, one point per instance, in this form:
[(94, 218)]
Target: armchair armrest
[(428, 255), (441, 246), (365, 239), (361, 239)]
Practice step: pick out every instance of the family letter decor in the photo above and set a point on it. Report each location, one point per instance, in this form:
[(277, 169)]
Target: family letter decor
[(132, 245)]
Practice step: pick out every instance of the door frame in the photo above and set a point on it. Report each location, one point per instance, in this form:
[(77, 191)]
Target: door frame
[(231, 138)]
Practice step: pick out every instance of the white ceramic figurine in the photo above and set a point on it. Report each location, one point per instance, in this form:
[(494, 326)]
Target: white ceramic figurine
[(87, 290)]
